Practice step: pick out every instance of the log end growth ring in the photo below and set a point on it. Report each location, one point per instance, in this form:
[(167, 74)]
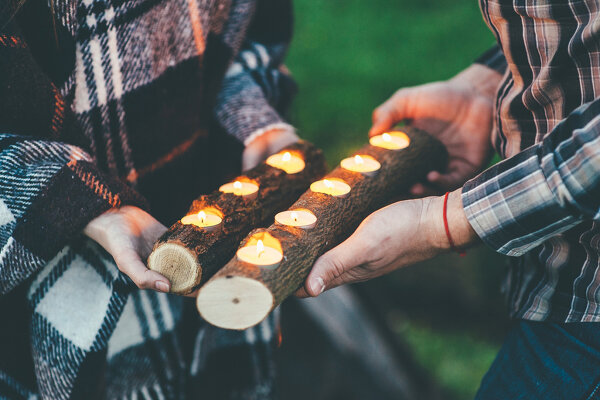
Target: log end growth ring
[(234, 302), (178, 264)]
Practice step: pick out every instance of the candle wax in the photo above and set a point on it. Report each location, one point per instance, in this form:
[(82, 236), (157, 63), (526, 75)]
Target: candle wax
[(203, 219), (366, 165), (299, 218), (286, 161), (391, 140), (238, 188), (261, 255), (332, 187)]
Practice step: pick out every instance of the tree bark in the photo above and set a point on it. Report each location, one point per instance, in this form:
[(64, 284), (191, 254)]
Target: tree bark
[(188, 255), (241, 294)]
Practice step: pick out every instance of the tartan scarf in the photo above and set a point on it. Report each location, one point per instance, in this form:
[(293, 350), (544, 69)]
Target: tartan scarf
[(146, 103)]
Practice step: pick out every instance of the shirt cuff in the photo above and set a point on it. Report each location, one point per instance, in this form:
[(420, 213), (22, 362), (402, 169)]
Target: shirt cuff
[(511, 206), (279, 126), (494, 59)]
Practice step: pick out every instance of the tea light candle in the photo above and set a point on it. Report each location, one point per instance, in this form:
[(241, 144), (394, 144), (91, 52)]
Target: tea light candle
[(259, 254), (366, 165), (332, 187), (299, 218), (391, 140), (286, 161), (247, 190), (204, 219)]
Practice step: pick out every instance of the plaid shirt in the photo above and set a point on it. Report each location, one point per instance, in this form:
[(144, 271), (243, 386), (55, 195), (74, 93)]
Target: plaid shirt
[(541, 205)]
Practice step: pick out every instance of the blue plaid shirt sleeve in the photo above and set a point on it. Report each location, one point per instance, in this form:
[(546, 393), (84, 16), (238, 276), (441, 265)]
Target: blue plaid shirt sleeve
[(542, 191)]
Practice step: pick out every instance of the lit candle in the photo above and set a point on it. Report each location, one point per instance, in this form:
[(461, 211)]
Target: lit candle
[(259, 254), (299, 218), (247, 190), (286, 161), (205, 219), (393, 140), (332, 187), (366, 165)]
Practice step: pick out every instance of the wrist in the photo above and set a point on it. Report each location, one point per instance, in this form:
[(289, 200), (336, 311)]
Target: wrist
[(480, 79), (459, 227)]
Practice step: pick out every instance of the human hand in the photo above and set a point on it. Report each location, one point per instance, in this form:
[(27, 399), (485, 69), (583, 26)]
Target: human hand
[(266, 144), (400, 234), (458, 112), (128, 234)]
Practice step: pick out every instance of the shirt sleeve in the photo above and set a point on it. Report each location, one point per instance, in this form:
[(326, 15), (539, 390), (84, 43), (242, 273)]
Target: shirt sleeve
[(546, 189), (493, 58), (50, 187), (257, 86)]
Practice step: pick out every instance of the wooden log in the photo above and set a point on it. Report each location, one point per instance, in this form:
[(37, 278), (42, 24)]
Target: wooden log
[(242, 294), (188, 255)]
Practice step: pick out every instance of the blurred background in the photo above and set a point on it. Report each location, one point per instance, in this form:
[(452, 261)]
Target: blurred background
[(446, 317)]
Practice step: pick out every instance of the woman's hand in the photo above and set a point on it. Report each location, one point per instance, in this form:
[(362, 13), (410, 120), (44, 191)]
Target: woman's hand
[(458, 112), (395, 236), (266, 144), (128, 234)]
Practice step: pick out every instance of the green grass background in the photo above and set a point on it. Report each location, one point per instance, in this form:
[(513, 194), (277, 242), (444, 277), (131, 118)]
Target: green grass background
[(348, 56)]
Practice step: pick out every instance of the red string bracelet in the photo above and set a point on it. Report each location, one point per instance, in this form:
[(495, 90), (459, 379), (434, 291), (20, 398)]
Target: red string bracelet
[(462, 253)]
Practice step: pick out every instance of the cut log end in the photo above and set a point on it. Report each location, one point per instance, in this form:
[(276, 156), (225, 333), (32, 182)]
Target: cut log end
[(234, 302), (178, 264)]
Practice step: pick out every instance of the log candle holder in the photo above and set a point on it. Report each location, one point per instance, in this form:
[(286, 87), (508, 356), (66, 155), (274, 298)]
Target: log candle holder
[(188, 254), (242, 294)]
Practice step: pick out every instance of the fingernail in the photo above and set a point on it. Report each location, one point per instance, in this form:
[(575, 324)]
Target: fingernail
[(161, 286), (321, 287)]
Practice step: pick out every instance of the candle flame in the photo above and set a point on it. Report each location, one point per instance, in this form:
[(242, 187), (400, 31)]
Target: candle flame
[(260, 248), (358, 159), (286, 156), (386, 137), (202, 216), (294, 216), (327, 183), (237, 185)]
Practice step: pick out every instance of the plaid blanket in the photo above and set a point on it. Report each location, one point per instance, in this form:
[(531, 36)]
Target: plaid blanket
[(105, 103)]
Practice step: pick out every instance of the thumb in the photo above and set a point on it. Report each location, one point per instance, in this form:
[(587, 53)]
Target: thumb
[(332, 265), (395, 109)]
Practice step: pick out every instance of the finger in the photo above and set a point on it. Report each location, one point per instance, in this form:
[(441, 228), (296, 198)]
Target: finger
[(401, 106), (301, 293), (382, 121), (449, 181), (130, 263), (334, 263), (423, 190), (194, 294), (250, 159)]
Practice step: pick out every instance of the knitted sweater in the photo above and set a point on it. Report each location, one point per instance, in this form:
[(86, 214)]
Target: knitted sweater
[(114, 102)]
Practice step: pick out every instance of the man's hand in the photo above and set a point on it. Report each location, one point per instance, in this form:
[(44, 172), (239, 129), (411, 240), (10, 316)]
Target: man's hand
[(395, 236), (128, 234), (266, 144), (458, 112)]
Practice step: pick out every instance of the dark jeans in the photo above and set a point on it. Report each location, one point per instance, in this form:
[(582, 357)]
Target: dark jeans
[(546, 361)]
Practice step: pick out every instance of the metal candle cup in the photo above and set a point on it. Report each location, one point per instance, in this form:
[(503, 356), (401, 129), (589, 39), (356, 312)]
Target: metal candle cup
[(366, 165), (297, 218), (391, 140), (286, 161), (204, 219), (261, 255), (332, 187), (247, 190)]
